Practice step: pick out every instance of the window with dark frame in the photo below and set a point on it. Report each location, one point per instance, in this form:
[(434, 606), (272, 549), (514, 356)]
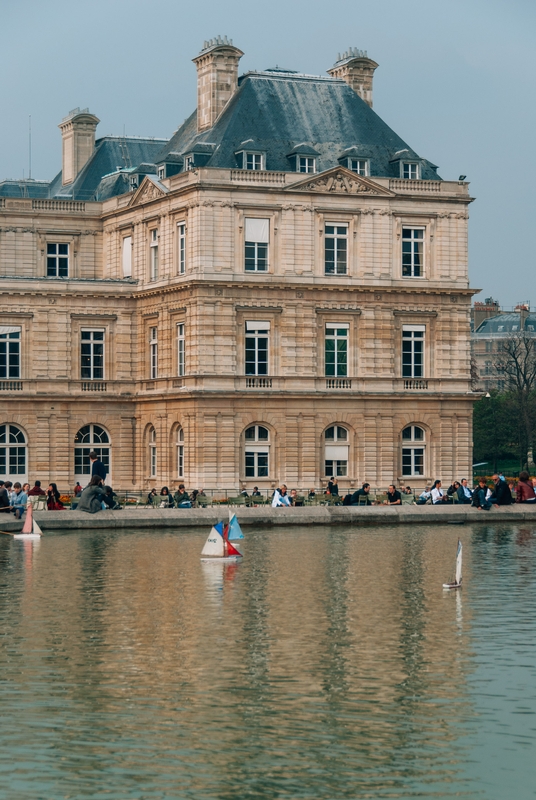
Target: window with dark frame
[(10, 352), (256, 347), (256, 452), (57, 260), (336, 350), (92, 355), (413, 451)]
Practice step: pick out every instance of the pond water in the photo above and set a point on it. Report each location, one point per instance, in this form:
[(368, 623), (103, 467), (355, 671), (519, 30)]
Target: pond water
[(328, 664)]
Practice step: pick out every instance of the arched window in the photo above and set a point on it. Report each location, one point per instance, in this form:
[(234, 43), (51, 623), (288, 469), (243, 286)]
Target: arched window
[(153, 464), (13, 456), (180, 453), (90, 437), (256, 451), (336, 451), (413, 446)]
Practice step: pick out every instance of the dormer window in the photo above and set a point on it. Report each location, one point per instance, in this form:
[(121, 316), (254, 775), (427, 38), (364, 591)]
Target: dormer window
[(133, 182), (253, 161), (359, 165), (161, 173), (410, 170), (306, 164), (188, 162)]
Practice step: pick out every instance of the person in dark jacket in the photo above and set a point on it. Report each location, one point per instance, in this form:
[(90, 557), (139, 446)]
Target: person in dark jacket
[(109, 498), (501, 495), (333, 486), (480, 498), (97, 467), (363, 492), (37, 491), (4, 498), (166, 500), (53, 498), (182, 498), (92, 496)]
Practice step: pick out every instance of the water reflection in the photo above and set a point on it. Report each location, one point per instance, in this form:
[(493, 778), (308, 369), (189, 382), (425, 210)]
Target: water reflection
[(327, 664)]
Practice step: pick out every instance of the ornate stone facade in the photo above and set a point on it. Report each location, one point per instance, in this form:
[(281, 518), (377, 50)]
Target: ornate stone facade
[(228, 326)]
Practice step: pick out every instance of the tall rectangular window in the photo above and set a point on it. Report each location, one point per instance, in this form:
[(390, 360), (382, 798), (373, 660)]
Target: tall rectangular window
[(9, 352), (257, 233), (410, 171), (306, 164), (92, 355), (153, 351), (181, 247), (126, 257), (180, 349), (413, 351), (336, 249), (57, 260), (336, 349), (253, 160), (358, 165), (412, 252), (257, 333), (154, 254)]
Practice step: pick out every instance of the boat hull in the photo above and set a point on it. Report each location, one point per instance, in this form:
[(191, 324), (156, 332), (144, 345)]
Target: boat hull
[(452, 586)]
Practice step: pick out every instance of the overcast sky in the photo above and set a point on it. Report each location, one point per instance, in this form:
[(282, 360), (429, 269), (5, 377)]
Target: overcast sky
[(456, 80)]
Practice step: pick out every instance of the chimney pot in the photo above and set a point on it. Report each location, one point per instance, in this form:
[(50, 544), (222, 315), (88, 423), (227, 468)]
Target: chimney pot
[(217, 79), (357, 70), (78, 142)]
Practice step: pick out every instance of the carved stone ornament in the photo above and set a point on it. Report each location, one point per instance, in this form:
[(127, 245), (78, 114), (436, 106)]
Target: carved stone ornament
[(148, 191), (341, 181)]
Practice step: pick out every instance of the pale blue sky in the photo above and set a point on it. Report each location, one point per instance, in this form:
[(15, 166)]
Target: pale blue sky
[(456, 80)]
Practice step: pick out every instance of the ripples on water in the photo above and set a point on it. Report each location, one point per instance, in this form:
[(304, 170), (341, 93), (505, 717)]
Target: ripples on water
[(328, 664)]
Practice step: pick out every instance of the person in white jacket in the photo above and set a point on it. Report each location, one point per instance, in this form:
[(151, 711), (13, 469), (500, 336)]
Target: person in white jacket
[(438, 495), (280, 497)]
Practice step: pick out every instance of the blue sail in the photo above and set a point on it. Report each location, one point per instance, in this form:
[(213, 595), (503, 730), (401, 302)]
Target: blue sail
[(235, 531), (219, 527)]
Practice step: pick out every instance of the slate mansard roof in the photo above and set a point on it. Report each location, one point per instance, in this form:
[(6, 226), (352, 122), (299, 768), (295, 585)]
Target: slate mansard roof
[(105, 175), (281, 113), (505, 324)]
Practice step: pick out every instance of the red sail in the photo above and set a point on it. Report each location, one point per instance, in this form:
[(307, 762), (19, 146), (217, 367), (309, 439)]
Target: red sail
[(226, 533), (232, 551)]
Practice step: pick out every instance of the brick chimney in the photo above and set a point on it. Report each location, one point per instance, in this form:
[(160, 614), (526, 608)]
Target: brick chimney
[(357, 69), (78, 142), (217, 79)]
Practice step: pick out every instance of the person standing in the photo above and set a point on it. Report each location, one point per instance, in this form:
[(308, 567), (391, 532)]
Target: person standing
[(97, 467), (333, 486)]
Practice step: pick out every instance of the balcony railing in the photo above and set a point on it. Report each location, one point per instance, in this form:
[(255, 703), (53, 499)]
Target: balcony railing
[(258, 383), (10, 386), (415, 384), (257, 176), (93, 386), (338, 383), (58, 205), (405, 185)]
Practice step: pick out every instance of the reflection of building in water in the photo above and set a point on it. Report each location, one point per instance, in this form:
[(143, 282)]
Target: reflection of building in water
[(278, 292), (326, 647)]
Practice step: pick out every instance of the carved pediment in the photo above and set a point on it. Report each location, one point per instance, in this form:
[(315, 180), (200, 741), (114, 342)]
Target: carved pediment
[(149, 190), (340, 180)]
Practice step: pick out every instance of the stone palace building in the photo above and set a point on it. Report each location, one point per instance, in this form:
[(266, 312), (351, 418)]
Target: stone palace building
[(277, 293)]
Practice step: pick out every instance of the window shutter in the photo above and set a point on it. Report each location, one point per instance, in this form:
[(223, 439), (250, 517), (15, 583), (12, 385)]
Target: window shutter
[(9, 329), (257, 325), (127, 257), (336, 452)]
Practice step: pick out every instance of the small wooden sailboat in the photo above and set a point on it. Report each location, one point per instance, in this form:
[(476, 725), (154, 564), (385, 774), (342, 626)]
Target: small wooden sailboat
[(218, 545), (235, 531), (30, 529), (458, 579)]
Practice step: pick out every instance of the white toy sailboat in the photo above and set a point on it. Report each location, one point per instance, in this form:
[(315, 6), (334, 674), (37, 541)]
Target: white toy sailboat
[(235, 531), (458, 579), (30, 529), (218, 545)]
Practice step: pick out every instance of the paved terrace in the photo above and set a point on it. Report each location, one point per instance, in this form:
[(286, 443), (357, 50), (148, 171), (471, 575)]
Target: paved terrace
[(136, 518)]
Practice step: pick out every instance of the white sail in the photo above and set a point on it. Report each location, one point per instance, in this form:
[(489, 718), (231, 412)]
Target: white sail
[(36, 528), (214, 544), (459, 563)]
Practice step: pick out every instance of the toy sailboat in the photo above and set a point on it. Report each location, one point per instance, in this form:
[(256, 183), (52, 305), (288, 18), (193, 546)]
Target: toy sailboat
[(30, 529), (458, 579), (235, 531), (218, 545)]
